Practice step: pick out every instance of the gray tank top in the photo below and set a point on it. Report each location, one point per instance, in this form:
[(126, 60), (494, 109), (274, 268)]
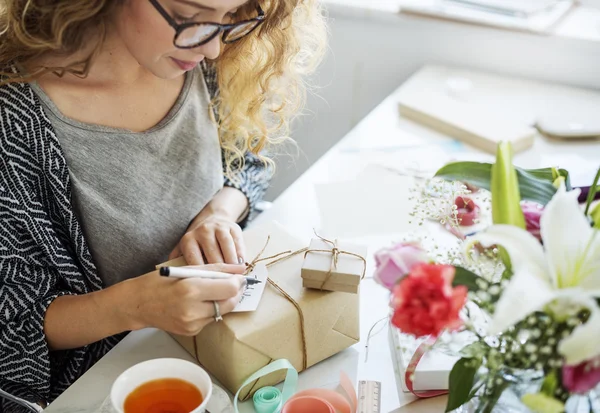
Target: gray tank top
[(135, 193)]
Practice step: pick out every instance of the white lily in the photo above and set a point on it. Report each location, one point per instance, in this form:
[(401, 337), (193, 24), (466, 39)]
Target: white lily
[(564, 275)]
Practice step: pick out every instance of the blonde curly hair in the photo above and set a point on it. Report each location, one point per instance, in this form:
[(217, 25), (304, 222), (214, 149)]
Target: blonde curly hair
[(261, 78)]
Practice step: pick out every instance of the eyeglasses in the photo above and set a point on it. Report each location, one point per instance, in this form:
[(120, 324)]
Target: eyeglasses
[(191, 35)]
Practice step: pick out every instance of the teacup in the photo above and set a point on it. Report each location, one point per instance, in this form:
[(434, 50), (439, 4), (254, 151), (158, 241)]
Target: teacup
[(164, 368)]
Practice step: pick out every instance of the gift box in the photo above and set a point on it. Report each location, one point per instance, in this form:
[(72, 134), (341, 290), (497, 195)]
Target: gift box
[(301, 325), (432, 371), (333, 266), (434, 362)]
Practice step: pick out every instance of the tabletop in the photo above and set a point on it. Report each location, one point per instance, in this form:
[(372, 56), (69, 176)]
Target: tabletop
[(383, 138)]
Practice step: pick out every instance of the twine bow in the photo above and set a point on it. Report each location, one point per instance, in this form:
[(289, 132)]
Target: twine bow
[(335, 254), (275, 259), (284, 255)]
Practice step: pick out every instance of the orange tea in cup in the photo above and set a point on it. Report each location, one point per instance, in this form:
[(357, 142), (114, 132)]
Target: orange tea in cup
[(163, 396)]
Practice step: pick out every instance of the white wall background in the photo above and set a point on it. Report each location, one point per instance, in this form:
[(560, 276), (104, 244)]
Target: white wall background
[(371, 57)]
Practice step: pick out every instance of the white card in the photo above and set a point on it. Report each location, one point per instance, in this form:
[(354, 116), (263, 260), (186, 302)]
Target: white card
[(378, 201), (253, 293)]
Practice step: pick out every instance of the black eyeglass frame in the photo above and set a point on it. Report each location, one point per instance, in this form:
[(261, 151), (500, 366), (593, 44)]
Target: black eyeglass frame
[(222, 28)]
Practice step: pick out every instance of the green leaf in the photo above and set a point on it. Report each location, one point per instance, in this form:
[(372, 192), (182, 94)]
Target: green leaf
[(550, 175), (592, 193), (475, 389), (542, 403), (595, 215), (550, 383), (474, 350), (534, 184), (493, 399), (506, 197), (467, 278), (461, 381)]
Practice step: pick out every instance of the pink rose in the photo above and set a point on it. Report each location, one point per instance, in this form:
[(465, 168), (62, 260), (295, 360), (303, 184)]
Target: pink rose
[(393, 264), (425, 303), (533, 213), (583, 377)]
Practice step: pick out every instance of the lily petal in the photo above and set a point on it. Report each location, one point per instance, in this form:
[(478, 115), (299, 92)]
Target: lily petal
[(530, 287), (592, 265), (582, 344), (571, 249), (525, 251), (525, 294)]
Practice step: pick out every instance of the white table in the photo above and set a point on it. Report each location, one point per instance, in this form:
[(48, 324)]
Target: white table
[(297, 210)]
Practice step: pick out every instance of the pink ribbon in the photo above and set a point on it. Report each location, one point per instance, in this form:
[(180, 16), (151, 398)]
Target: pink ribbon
[(324, 401), (423, 348)]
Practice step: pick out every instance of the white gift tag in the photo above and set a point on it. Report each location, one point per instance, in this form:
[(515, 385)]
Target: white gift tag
[(253, 293)]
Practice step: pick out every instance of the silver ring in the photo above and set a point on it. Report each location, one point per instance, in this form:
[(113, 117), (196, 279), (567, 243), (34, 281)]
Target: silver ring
[(217, 316)]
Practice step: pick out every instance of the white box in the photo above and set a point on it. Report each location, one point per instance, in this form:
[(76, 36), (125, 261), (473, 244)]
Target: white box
[(433, 370)]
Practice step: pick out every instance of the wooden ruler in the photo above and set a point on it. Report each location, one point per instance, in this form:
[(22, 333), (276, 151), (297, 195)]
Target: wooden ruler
[(369, 396)]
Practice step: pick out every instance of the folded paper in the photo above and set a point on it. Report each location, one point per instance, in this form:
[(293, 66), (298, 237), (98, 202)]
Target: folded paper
[(291, 322), (333, 266)]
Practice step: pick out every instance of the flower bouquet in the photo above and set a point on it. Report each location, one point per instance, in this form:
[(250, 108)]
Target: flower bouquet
[(534, 274)]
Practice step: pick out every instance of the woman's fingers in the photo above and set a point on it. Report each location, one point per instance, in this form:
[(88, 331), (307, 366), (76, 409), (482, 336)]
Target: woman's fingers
[(212, 242), (207, 315), (227, 245), (175, 253), (191, 250), (217, 290), (240, 246), (228, 268), (210, 248)]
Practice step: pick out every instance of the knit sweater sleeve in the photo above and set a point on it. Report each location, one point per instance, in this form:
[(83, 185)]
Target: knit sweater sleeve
[(43, 254)]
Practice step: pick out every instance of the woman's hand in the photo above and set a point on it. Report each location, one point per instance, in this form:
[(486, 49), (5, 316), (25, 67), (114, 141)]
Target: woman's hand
[(214, 236), (183, 306), (212, 240), (178, 306)]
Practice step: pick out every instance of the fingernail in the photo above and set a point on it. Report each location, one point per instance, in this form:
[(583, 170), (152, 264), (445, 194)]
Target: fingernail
[(240, 260), (244, 283)]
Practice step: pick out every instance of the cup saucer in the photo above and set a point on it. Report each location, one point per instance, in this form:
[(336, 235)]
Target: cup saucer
[(219, 402)]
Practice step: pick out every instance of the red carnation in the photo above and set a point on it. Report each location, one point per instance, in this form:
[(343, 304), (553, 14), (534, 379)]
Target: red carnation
[(425, 303)]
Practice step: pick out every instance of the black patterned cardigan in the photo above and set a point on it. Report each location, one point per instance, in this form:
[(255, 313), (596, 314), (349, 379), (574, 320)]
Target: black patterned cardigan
[(43, 253)]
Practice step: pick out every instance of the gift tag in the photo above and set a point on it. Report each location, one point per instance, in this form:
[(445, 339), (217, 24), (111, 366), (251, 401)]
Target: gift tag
[(369, 396), (253, 293)]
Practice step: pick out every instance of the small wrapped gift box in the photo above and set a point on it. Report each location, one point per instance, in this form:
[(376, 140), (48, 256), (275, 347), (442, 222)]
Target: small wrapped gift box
[(429, 366), (333, 266), (432, 371), (291, 322)]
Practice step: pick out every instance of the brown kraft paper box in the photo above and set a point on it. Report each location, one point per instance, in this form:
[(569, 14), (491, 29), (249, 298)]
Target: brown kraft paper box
[(242, 343), (318, 271)]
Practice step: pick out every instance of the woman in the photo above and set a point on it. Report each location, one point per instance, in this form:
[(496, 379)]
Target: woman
[(132, 132)]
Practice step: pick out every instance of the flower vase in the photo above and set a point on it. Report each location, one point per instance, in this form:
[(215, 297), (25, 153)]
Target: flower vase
[(518, 383)]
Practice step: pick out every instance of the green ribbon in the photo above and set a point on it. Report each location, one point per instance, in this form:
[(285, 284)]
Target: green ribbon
[(270, 399), (267, 400)]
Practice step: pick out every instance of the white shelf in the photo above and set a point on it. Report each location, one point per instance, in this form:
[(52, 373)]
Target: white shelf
[(581, 22)]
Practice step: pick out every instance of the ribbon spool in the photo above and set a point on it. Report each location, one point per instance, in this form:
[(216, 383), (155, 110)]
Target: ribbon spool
[(289, 386), (267, 400), (272, 400)]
